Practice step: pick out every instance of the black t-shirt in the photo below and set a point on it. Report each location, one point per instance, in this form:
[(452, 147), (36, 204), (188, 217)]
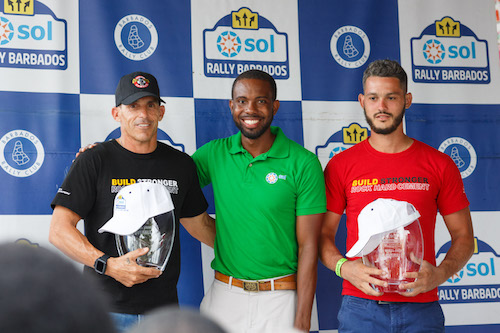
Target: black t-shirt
[(90, 189)]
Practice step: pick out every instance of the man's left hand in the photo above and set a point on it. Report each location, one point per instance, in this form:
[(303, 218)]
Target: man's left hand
[(428, 278)]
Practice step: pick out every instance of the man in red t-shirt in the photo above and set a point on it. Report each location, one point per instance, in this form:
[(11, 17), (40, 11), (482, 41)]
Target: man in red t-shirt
[(391, 165)]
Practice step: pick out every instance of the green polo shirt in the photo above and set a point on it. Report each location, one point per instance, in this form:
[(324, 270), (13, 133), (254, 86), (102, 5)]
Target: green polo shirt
[(257, 201)]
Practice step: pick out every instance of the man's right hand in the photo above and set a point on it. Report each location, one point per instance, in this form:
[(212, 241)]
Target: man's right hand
[(90, 146), (361, 276), (125, 269)]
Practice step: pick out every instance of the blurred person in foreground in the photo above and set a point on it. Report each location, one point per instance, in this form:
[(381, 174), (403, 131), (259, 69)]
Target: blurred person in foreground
[(41, 292)]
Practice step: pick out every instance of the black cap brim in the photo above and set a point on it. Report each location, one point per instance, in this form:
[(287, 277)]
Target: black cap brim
[(134, 97)]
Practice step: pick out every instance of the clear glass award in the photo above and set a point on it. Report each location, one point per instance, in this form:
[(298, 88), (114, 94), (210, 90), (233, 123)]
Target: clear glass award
[(157, 234), (399, 251)]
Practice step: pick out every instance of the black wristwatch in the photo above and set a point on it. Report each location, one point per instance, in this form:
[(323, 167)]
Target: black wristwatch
[(100, 264)]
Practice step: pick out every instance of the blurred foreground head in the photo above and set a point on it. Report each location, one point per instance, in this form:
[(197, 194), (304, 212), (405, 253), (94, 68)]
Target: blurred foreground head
[(42, 292), (171, 319)]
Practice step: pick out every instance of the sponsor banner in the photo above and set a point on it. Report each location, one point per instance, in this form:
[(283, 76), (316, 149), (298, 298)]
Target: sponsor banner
[(154, 38), (449, 52), (450, 56), (235, 37), (31, 36), (338, 40), (472, 295), (481, 268), (465, 133), (332, 127), (244, 40), (39, 44), (36, 147)]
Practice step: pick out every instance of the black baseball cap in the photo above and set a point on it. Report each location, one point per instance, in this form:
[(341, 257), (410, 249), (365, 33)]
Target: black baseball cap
[(136, 85)]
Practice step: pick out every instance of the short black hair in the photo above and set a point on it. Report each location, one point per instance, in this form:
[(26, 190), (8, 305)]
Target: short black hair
[(258, 75), (386, 68)]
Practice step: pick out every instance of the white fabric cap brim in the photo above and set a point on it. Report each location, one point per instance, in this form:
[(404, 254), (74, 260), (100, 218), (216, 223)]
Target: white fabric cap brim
[(117, 225), (127, 222), (365, 246)]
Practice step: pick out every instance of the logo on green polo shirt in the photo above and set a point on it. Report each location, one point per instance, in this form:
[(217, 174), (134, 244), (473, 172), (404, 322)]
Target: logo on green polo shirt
[(272, 177)]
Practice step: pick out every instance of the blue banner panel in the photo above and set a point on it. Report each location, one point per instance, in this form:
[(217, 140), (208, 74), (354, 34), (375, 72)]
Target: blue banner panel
[(329, 286), (39, 135), (190, 285), (119, 37), (337, 42), (473, 328), (466, 134)]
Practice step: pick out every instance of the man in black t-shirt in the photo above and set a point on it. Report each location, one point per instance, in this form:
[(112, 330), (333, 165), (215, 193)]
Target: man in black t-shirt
[(89, 191)]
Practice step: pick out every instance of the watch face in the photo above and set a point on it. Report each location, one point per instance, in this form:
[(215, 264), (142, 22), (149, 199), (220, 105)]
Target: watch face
[(100, 266), (157, 234)]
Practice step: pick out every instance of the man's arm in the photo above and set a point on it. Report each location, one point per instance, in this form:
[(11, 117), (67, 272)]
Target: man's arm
[(360, 275), (308, 229), (459, 226), (201, 227), (64, 235)]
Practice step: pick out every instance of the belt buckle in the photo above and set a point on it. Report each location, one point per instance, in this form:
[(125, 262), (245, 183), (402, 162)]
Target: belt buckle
[(250, 286)]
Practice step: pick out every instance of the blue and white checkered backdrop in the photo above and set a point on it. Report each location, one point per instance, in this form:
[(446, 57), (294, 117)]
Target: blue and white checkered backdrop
[(60, 62)]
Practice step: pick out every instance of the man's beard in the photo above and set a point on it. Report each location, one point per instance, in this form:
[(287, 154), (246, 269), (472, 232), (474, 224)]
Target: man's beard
[(397, 121), (253, 134)]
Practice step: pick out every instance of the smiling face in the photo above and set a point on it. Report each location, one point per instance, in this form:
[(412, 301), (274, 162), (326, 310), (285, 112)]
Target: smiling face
[(253, 107), (139, 123), (384, 103)]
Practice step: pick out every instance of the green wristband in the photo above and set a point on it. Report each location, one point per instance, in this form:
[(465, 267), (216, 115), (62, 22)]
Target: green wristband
[(339, 265)]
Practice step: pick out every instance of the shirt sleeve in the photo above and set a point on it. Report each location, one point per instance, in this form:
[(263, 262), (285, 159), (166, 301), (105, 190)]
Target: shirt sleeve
[(336, 199), (78, 190), (451, 197), (311, 197)]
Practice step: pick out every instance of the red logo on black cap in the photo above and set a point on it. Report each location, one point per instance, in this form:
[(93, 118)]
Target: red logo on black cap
[(140, 82)]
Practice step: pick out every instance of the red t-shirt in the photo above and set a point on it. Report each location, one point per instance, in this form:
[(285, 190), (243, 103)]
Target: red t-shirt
[(420, 175)]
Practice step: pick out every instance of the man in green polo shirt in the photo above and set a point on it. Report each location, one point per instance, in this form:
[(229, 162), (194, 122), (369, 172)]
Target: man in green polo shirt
[(269, 200)]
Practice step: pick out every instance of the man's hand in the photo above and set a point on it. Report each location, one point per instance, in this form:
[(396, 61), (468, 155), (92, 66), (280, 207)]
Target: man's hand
[(90, 146), (361, 276), (428, 278), (125, 269)]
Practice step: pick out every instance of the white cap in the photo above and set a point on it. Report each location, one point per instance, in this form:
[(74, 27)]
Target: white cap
[(135, 204), (377, 218)]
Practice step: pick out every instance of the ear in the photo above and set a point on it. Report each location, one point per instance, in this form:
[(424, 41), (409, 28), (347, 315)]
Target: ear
[(162, 112), (115, 112), (408, 99), (231, 104), (361, 100), (276, 106)]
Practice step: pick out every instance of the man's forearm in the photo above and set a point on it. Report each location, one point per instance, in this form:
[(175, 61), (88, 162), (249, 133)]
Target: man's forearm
[(201, 227), (306, 286)]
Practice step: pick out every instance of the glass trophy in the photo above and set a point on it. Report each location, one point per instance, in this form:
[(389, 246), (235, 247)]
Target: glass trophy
[(399, 251), (157, 234)]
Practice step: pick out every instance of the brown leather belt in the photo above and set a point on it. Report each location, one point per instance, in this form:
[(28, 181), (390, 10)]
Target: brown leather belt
[(285, 283)]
